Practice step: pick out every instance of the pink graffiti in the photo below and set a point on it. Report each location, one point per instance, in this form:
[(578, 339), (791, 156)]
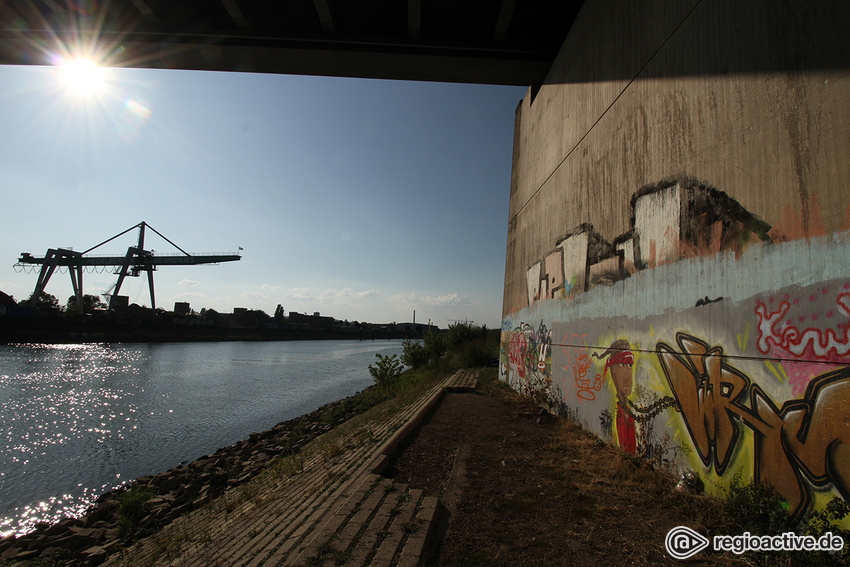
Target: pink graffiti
[(579, 362), (518, 346), (823, 345)]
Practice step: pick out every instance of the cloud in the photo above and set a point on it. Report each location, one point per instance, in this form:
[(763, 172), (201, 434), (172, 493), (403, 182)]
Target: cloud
[(191, 295), (299, 293), (188, 282), (254, 295), (333, 295), (450, 299), (414, 299)]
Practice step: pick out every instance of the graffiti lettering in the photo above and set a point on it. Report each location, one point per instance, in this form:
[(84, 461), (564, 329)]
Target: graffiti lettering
[(807, 439), (579, 362), (530, 358), (709, 393), (518, 346), (796, 341)]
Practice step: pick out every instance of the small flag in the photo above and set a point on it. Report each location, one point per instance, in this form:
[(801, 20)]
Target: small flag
[(240, 248)]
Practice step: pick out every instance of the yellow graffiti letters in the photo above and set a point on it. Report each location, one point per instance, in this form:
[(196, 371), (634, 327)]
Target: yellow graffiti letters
[(803, 444)]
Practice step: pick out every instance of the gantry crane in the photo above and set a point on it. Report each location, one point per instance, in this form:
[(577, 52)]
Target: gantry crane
[(136, 261)]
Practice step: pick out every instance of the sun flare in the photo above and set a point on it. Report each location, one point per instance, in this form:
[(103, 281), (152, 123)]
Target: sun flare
[(83, 77)]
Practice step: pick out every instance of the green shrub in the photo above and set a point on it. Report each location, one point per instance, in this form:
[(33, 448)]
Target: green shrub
[(473, 354), (415, 354), (435, 345), (460, 333), (824, 521), (756, 508), (387, 370)]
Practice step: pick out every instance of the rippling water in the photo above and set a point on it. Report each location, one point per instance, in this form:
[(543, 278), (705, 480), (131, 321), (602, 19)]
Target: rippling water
[(76, 420)]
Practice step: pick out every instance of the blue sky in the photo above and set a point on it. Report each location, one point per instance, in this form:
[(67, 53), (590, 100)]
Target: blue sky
[(359, 199)]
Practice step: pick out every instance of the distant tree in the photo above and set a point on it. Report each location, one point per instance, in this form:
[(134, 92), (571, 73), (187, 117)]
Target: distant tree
[(44, 301), (90, 303), (278, 313)]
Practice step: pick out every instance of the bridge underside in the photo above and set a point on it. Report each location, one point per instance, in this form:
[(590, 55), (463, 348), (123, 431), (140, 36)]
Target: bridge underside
[(511, 42)]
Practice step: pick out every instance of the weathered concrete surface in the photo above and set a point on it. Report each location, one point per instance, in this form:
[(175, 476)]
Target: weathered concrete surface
[(679, 238), (585, 143)]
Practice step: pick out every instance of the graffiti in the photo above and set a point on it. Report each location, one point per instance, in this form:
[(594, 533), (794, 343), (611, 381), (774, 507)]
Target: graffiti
[(820, 344), (578, 365), (507, 325), (620, 360), (632, 422), (606, 423), (530, 357), (673, 220), (518, 347), (805, 442), (706, 301), (814, 350)]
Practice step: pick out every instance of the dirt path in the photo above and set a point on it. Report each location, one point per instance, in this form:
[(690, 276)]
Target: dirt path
[(538, 490)]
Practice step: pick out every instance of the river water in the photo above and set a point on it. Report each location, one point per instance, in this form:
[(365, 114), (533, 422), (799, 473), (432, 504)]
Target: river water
[(77, 420)]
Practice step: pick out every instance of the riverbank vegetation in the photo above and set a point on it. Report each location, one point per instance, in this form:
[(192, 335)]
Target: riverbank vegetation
[(437, 354)]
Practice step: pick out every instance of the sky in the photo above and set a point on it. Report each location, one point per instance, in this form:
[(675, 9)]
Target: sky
[(359, 199)]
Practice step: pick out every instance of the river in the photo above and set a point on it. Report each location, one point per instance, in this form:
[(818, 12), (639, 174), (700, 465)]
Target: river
[(77, 420)]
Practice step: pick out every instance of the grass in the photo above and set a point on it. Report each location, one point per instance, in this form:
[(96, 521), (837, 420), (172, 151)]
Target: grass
[(133, 506)]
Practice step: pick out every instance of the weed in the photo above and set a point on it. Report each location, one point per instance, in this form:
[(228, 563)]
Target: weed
[(387, 370), (371, 439), (133, 506), (168, 545), (756, 508), (411, 526), (330, 447)]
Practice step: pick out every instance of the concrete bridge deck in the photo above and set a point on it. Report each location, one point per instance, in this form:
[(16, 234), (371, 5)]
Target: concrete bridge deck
[(329, 505)]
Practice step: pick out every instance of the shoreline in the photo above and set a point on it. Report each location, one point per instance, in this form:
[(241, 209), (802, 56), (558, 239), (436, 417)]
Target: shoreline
[(60, 331), (91, 537)]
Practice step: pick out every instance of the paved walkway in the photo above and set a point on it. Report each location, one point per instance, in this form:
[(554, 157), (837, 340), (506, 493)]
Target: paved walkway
[(329, 505)]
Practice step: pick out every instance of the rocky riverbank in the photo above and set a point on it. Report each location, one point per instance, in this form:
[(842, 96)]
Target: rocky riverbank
[(113, 521)]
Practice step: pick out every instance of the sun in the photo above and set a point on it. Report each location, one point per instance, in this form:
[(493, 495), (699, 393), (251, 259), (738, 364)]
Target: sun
[(83, 77)]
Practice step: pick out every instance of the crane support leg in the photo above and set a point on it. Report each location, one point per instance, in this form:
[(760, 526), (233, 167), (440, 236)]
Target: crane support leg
[(76, 273), (153, 298), (123, 274), (47, 269)]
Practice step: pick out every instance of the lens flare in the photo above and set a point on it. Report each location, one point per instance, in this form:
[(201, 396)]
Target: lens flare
[(83, 77)]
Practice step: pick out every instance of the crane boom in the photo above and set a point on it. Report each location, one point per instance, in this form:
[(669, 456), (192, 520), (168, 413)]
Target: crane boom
[(135, 261), (153, 259)]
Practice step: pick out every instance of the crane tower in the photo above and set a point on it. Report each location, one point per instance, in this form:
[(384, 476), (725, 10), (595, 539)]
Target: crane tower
[(133, 263)]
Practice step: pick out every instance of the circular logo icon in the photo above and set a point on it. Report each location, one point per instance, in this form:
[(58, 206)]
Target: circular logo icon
[(683, 542)]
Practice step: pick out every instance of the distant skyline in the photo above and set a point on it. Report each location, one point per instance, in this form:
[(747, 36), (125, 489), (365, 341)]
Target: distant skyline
[(359, 199)]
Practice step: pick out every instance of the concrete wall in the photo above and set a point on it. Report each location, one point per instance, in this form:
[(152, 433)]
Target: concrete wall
[(678, 256)]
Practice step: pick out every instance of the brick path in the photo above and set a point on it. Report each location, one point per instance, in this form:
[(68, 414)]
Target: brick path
[(326, 506)]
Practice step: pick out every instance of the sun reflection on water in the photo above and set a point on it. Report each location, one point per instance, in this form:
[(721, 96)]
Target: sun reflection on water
[(58, 409)]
